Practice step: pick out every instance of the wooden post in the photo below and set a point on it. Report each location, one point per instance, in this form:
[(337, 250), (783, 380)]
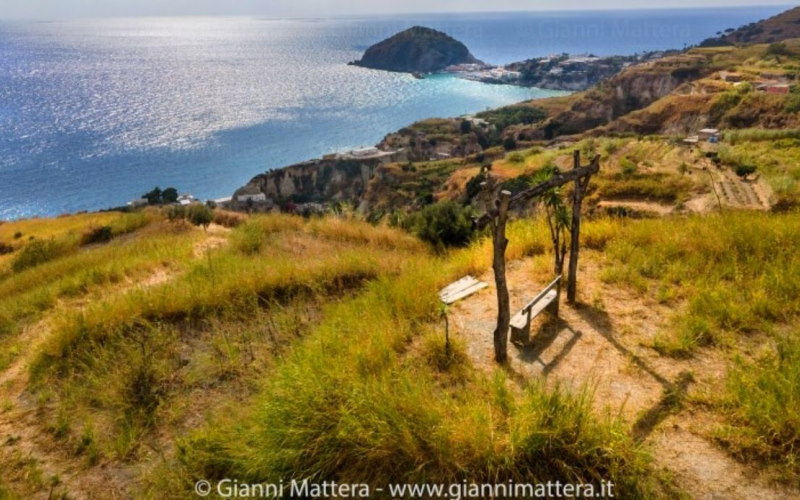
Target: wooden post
[(577, 202), (499, 244)]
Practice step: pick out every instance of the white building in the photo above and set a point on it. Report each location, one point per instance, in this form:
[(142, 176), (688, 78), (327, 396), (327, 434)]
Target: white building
[(255, 197)]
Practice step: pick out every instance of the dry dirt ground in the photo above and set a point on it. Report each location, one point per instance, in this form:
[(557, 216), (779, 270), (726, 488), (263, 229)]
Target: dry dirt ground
[(602, 343)]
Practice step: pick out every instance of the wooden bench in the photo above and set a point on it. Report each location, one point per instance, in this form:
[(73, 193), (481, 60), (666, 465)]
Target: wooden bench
[(521, 322)]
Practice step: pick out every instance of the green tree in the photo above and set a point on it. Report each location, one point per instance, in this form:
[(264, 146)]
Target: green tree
[(153, 197), (169, 195)]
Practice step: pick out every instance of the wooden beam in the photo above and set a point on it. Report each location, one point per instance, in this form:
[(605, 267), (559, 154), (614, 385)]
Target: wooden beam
[(499, 244), (577, 205), (557, 180)]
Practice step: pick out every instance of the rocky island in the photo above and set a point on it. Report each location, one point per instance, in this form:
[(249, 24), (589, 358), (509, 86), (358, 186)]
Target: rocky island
[(416, 50)]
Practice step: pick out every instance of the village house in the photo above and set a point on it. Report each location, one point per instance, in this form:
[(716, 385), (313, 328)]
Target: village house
[(774, 88), (138, 202), (186, 199), (730, 77), (367, 153), (708, 134), (255, 198)]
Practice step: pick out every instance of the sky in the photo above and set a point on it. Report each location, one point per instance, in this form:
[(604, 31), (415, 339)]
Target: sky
[(57, 9)]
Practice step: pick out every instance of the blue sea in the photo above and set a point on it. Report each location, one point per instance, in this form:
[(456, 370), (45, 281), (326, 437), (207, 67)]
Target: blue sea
[(93, 113)]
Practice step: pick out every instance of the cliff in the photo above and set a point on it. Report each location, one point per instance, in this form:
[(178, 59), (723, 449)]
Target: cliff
[(634, 88), (416, 50), (574, 73)]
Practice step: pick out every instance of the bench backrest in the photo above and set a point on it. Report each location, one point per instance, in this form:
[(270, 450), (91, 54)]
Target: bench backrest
[(541, 294)]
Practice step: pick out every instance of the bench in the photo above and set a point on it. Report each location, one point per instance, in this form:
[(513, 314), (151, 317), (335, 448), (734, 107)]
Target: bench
[(521, 322)]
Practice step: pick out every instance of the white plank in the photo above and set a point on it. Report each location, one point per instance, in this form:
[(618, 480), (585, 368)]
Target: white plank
[(449, 299), (457, 286)]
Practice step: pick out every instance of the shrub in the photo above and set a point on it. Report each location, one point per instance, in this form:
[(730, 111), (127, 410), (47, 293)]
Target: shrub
[(226, 218), (176, 212), (516, 157), (473, 187), (513, 115), (442, 224), (38, 252), (627, 166), (199, 215), (509, 143), (744, 170), (5, 249), (100, 234)]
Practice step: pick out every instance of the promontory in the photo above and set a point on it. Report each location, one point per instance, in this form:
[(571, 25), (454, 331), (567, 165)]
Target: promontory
[(416, 50)]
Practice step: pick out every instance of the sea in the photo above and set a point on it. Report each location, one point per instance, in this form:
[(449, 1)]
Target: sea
[(93, 113)]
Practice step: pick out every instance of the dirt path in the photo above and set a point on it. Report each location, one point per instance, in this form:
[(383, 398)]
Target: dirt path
[(603, 343), (638, 206), (29, 453)]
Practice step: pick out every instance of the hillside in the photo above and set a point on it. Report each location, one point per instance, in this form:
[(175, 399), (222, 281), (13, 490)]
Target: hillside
[(286, 347), (303, 337), (781, 27), (416, 50)]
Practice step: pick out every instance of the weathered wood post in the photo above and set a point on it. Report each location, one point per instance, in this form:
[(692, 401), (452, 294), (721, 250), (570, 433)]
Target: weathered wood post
[(577, 201), (499, 244)]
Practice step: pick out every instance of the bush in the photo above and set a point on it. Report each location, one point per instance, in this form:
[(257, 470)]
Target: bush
[(176, 212), (199, 215), (228, 219), (513, 115), (100, 234), (474, 185), (509, 143), (627, 166), (745, 170), (516, 158), (442, 224), (38, 252)]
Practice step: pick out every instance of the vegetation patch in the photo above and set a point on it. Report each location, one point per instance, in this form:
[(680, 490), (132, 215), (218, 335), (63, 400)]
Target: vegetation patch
[(762, 402)]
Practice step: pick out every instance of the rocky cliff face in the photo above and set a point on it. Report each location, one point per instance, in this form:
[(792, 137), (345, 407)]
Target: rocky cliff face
[(416, 49), (313, 181), (635, 88)]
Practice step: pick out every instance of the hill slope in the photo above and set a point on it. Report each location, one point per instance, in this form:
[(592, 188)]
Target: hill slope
[(775, 29)]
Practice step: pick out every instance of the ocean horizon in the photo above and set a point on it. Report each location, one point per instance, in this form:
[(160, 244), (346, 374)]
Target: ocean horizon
[(93, 113)]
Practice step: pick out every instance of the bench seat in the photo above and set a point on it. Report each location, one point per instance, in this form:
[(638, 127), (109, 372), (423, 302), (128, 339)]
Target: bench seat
[(521, 322), (523, 318)]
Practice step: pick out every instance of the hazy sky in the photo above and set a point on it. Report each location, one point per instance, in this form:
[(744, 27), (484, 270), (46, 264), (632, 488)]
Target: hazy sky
[(51, 9)]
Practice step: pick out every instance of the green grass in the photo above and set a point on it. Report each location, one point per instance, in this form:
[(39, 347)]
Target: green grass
[(116, 363), (763, 404), (367, 396), (651, 186), (732, 274), (315, 348)]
